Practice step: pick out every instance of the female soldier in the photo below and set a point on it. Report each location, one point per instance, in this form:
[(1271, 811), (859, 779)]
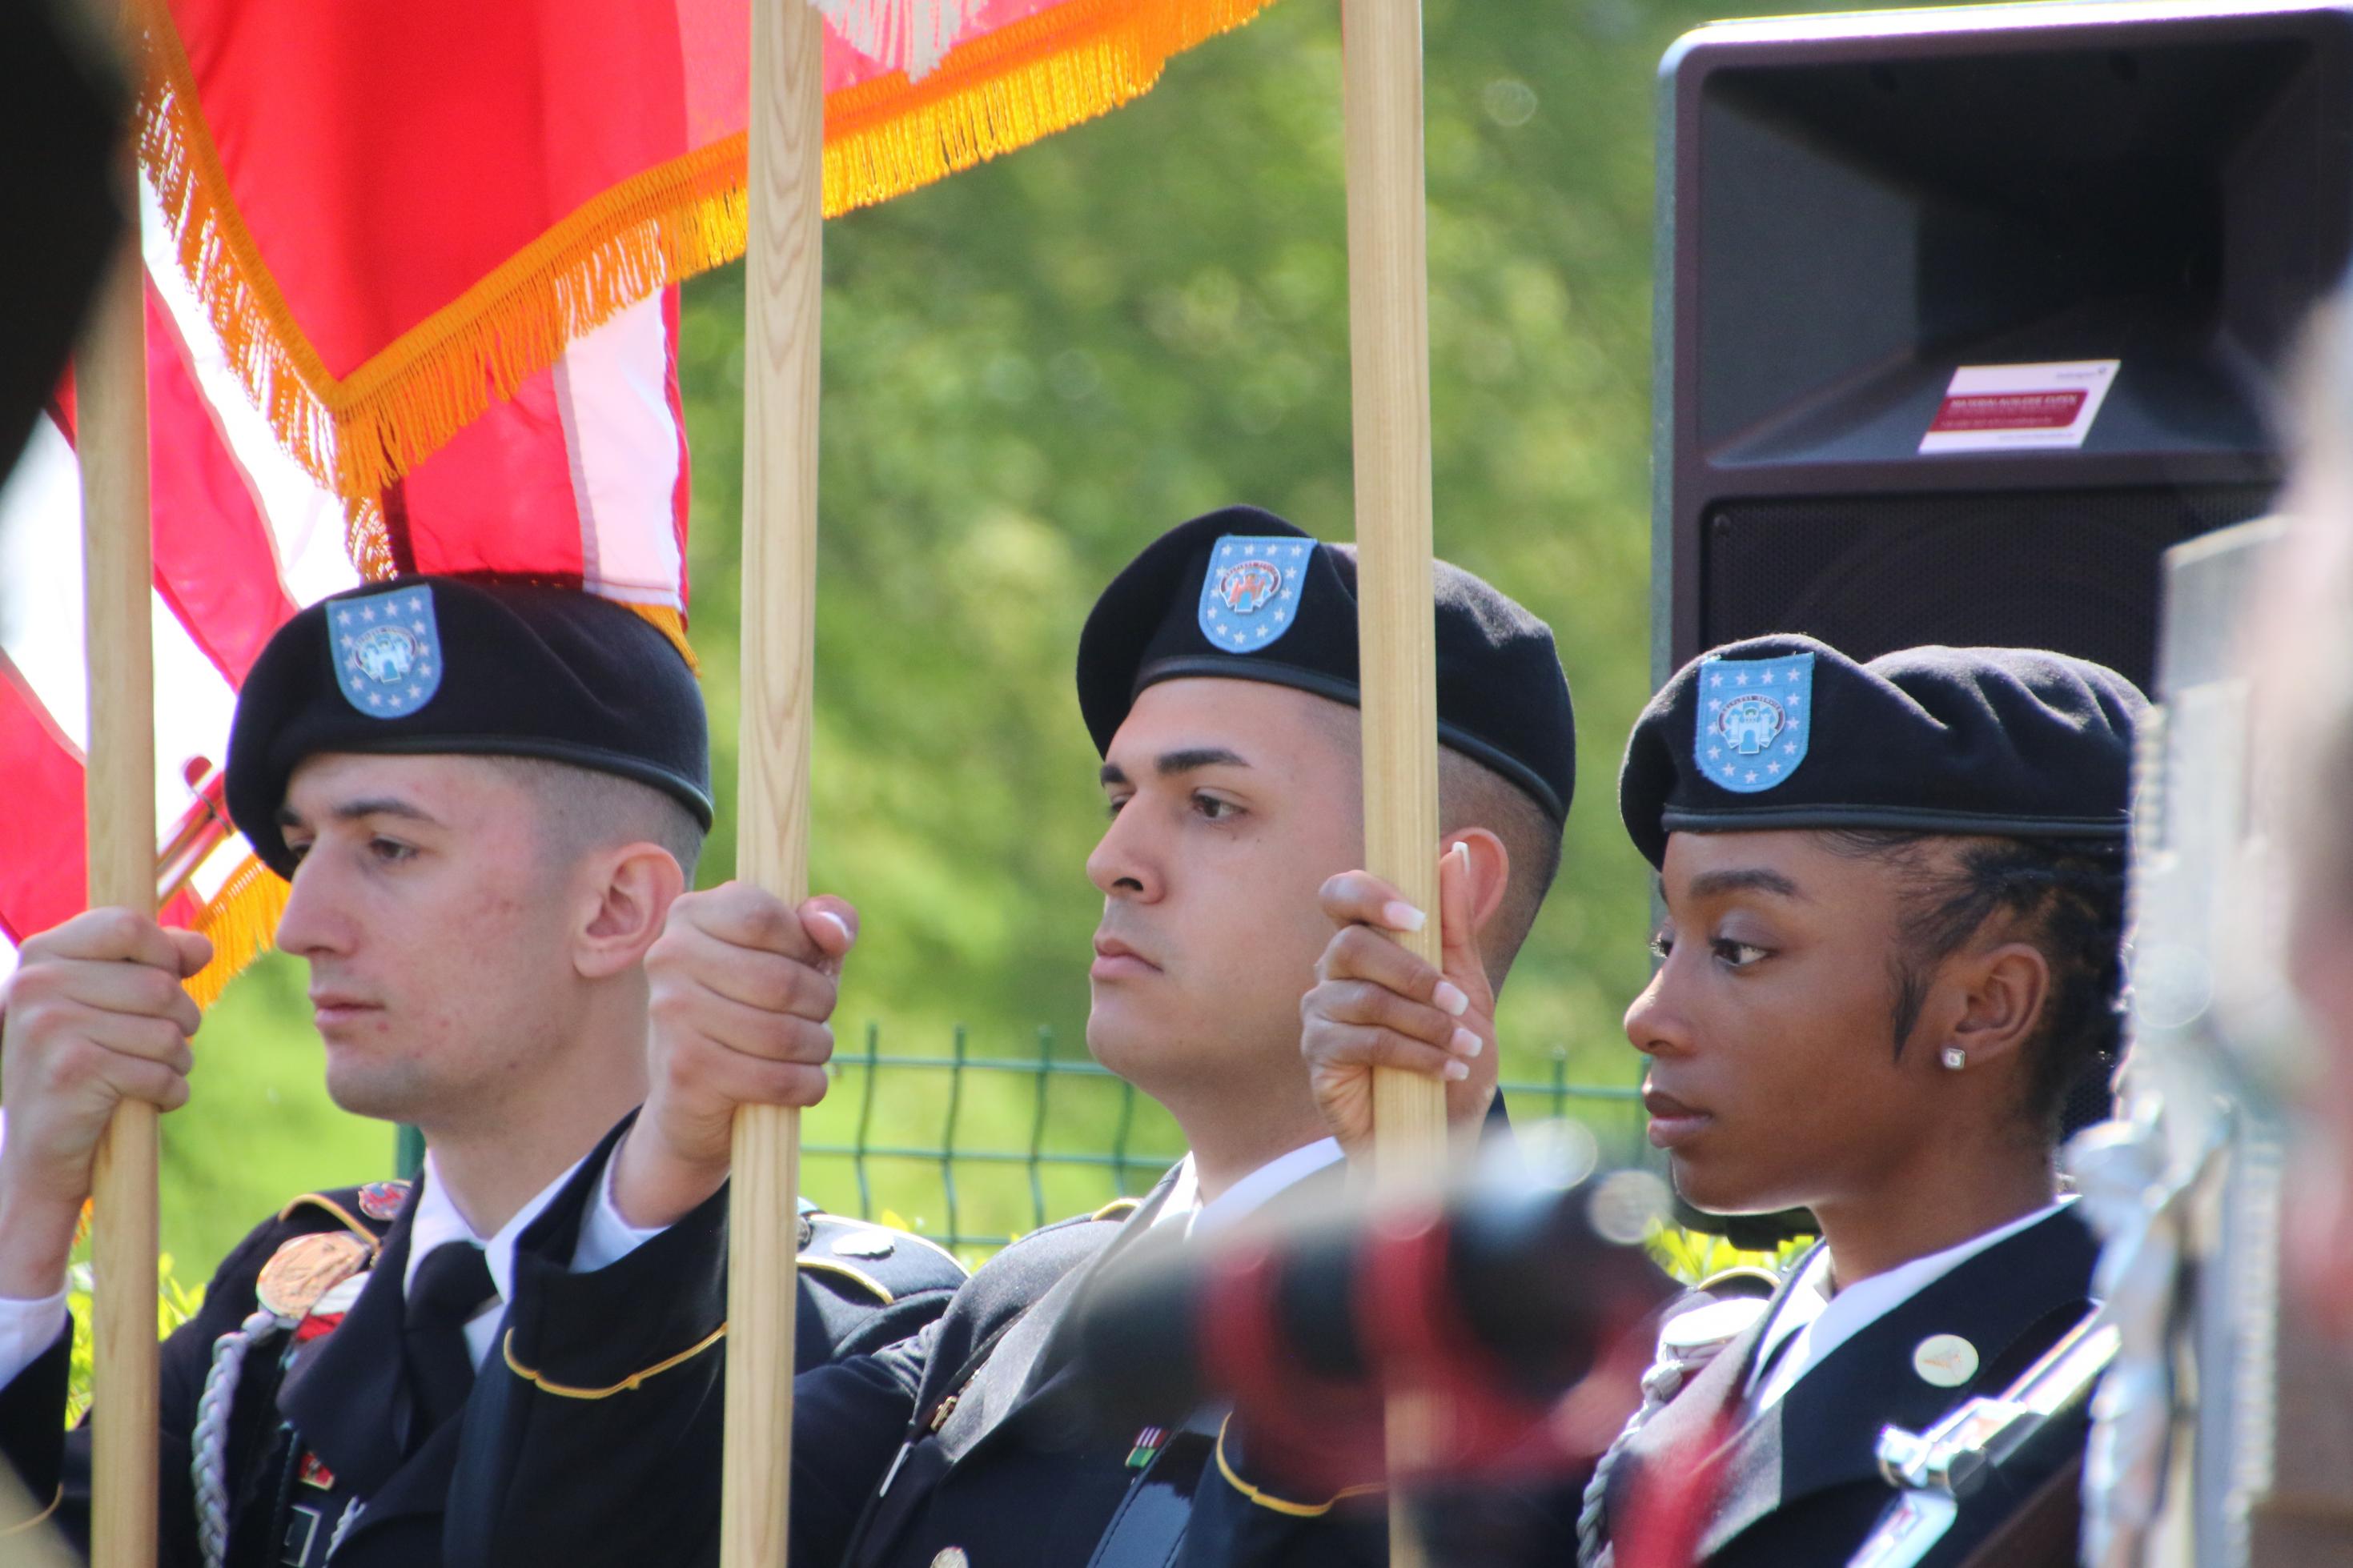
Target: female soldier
[(1892, 900)]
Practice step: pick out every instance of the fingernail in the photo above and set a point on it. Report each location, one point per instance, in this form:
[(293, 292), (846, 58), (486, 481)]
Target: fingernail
[(1455, 1072), (836, 921), (1399, 915), (1448, 998), (1466, 1044)]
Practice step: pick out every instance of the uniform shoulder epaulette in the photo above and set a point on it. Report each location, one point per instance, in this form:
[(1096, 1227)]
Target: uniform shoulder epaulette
[(884, 1263), (367, 1210), (1744, 1279)]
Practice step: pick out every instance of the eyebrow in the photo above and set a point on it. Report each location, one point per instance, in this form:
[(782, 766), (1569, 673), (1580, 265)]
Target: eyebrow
[(355, 810), (1745, 879), (1170, 765)]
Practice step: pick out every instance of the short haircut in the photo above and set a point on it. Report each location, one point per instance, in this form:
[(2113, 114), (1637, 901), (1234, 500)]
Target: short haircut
[(1472, 794), (2066, 897), (581, 809)]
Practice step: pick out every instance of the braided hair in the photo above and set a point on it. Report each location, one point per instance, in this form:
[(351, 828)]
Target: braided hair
[(2064, 895)]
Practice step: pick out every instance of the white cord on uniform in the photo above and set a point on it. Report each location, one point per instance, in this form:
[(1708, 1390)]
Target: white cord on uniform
[(1672, 1367), (350, 1516), (210, 1466)]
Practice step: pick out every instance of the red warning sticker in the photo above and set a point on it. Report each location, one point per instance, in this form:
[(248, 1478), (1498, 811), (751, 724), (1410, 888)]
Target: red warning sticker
[(1996, 408)]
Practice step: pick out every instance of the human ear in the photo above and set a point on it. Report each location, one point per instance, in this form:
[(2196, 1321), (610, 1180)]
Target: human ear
[(2004, 990), (632, 889)]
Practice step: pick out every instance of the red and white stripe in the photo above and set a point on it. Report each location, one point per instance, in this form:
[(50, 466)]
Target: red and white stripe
[(581, 478)]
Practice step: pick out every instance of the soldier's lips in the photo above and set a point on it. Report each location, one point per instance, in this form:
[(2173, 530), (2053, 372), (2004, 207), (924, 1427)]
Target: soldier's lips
[(1114, 960), (330, 1009), (1672, 1123)]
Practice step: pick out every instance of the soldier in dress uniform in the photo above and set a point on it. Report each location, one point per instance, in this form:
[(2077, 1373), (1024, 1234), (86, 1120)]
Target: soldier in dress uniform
[(1894, 900), (488, 799), (1217, 676)]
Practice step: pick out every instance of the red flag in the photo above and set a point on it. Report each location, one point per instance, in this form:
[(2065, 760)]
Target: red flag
[(396, 214), (592, 452)]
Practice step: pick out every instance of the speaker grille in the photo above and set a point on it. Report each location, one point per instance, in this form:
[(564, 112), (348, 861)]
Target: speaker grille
[(2071, 570)]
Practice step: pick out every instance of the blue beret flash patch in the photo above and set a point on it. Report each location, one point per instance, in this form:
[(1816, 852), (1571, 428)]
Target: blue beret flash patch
[(1754, 716), (387, 649), (1250, 595)]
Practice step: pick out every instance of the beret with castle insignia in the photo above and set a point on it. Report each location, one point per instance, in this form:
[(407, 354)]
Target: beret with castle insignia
[(436, 664), (1242, 594), (1788, 733)]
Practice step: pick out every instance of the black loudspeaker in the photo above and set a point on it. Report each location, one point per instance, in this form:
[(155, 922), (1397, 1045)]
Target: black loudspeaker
[(1852, 208)]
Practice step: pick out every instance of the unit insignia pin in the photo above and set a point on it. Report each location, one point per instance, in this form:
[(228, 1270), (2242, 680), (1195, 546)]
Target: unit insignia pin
[(1948, 1361), (1249, 594), (382, 1200), (387, 651), (1754, 732)]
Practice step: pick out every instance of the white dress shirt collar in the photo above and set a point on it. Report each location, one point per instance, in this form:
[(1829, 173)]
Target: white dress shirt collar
[(438, 1221), (1815, 1321), (1246, 1195)]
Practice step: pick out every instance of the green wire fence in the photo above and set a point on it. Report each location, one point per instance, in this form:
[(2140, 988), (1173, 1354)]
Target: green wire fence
[(1021, 1141), (1025, 1139)]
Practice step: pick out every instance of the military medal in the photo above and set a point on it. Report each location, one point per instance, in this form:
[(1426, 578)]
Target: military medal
[(328, 1311), (382, 1200), (306, 1268), (1147, 1443)]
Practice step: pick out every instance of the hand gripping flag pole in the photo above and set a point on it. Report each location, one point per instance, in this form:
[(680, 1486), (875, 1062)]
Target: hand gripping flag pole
[(110, 388), (1389, 309), (783, 295)]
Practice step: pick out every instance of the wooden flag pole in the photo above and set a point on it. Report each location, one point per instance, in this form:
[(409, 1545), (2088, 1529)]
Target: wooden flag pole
[(118, 564), (1388, 313), (783, 290)]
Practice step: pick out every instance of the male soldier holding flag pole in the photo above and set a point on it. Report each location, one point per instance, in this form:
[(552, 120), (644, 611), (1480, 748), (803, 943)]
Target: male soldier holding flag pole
[(489, 800), (1218, 675)]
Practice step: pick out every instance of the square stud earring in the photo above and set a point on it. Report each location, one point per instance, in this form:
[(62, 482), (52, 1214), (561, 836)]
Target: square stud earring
[(1954, 1057)]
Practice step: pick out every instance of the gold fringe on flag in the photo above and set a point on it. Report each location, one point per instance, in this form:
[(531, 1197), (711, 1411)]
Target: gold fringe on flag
[(1019, 84), (242, 922), (357, 434), (671, 625)]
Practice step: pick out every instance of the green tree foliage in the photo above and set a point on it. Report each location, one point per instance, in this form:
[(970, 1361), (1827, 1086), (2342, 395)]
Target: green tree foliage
[(1032, 369)]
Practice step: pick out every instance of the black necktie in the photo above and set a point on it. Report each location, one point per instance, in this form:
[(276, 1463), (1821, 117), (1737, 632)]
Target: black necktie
[(449, 1287)]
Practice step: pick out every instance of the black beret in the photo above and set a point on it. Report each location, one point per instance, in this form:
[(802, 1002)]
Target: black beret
[(1242, 594), (1786, 731), (442, 665)]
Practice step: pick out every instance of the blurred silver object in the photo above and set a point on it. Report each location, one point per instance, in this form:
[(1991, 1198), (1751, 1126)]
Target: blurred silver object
[(1933, 1470), (2223, 1434)]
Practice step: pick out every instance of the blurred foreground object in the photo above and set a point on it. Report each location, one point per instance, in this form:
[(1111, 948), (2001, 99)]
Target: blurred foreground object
[(61, 108), (2223, 1436), (1514, 1300)]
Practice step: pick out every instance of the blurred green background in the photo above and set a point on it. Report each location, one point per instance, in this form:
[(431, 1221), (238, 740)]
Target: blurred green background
[(1032, 369)]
